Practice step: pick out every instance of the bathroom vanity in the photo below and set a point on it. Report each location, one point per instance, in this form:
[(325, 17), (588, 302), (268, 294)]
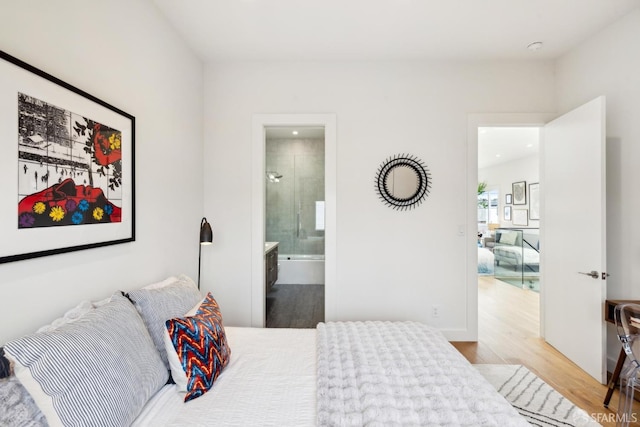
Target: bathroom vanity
[(270, 264)]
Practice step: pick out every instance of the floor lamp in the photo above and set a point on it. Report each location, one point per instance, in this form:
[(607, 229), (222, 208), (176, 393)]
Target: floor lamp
[(206, 238)]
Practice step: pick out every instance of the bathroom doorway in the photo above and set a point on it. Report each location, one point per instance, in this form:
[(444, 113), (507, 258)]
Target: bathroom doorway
[(261, 180), (295, 225)]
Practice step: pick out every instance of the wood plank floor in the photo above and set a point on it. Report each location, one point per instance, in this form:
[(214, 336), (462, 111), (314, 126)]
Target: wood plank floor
[(295, 306), (509, 334)]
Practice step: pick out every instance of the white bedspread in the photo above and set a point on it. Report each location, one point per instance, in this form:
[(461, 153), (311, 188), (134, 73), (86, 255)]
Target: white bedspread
[(270, 381), (401, 374)]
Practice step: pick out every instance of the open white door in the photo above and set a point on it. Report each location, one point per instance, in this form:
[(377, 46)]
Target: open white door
[(574, 239)]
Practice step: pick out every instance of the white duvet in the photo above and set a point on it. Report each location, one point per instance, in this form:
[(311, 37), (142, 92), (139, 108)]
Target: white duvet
[(269, 381)]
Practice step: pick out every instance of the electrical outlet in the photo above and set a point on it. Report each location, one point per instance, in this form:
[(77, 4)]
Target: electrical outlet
[(435, 310)]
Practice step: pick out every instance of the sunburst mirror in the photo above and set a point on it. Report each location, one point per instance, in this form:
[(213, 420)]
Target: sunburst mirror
[(403, 181)]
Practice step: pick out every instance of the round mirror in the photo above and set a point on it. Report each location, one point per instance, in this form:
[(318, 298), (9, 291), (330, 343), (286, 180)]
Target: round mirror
[(403, 181)]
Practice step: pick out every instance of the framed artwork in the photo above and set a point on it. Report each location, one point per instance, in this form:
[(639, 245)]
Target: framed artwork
[(67, 166), (507, 199), (519, 190), (520, 217), (534, 201), (507, 213)]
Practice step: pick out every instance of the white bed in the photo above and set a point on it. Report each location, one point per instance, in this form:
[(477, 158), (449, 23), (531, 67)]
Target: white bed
[(275, 378), (339, 374)]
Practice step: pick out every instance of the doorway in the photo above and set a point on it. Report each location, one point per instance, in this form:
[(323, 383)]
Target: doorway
[(475, 122), (508, 225), (295, 225), (509, 204), (259, 178), (581, 130)]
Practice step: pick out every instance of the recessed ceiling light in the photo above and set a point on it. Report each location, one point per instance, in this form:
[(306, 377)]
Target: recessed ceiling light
[(535, 46), (497, 155), (295, 132), (529, 145)]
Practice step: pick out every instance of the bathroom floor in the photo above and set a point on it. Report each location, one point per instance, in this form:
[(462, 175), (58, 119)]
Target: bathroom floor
[(295, 306)]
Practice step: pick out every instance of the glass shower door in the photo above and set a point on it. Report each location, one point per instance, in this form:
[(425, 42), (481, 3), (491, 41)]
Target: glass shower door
[(295, 195), (309, 203)]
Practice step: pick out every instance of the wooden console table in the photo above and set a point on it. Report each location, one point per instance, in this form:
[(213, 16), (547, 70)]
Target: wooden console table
[(609, 316)]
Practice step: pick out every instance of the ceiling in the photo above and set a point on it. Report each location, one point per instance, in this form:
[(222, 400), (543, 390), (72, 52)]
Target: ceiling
[(497, 145), (294, 30), (294, 132), (467, 30)]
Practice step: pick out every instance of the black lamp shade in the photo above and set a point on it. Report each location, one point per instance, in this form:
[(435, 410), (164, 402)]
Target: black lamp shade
[(206, 234)]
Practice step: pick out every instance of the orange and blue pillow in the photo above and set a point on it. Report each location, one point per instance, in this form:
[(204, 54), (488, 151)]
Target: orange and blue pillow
[(197, 348)]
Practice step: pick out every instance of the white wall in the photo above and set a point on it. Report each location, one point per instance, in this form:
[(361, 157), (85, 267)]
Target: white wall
[(609, 64), (124, 53), (500, 177), (390, 264)]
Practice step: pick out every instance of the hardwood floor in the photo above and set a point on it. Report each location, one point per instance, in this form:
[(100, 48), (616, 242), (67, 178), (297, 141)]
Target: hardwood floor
[(509, 333), (295, 306)]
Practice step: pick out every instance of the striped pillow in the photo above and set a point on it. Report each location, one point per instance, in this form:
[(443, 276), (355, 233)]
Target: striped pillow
[(157, 304), (99, 370), (197, 348)]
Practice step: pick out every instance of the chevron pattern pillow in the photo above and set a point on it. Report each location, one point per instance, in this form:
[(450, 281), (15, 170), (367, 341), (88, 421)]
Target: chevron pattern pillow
[(197, 348)]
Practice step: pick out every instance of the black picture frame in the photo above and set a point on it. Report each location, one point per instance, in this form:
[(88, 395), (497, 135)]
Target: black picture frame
[(508, 199), (74, 173), (507, 213), (519, 191)]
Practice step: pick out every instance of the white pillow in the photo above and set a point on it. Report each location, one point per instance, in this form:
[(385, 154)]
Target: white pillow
[(169, 280), (508, 237), (70, 316), (100, 369)]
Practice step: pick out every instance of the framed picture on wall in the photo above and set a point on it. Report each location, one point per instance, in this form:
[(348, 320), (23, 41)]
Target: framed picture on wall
[(507, 199), (507, 213), (534, 201), (520, 217), (519, 190), (67, 167)]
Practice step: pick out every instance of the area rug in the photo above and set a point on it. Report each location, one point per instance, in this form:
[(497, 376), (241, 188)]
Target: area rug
[(536, 400)]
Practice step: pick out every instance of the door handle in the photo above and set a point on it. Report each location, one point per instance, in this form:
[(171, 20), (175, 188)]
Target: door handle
[(594, 274)]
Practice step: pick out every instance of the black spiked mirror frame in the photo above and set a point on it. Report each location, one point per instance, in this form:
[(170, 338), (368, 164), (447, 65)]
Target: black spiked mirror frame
[(423, 185)]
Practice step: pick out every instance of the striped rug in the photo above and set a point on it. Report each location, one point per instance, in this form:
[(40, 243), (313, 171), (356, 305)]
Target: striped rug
[(536, 400)]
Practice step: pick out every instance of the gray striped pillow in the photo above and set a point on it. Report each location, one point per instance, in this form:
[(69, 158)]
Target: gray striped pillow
[(99, 370), (157, 305)]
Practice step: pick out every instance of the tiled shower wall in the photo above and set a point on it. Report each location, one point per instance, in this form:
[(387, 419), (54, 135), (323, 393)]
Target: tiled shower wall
[(301, 164)]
